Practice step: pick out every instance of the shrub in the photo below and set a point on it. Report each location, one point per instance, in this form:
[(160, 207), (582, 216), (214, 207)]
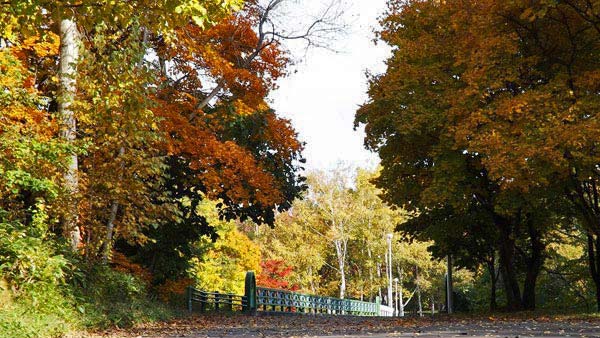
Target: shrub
[(39, 300), (116, 298)]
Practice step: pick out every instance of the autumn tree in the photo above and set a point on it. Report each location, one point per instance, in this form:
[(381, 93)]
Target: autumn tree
[(274, 274), (336, 236), (221, 265), (451, 60), (297, 239), (30, 156), (69, 19)]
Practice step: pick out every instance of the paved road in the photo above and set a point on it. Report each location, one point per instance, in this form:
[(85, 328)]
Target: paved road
[(220, 326)]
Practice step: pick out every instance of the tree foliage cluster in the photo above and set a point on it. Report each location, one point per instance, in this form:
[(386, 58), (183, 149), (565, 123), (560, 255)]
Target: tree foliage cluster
[(119, 122), (335, 241), (486, 124)]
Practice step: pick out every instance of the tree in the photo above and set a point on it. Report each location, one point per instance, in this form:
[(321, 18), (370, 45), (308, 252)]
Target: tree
[(29, 155), (221, 265), (421, 119), (72, 17), (335, 216), (273, 275), (297, 239)]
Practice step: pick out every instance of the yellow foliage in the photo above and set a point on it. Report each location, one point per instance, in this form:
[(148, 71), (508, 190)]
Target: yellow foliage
[(223, 264)]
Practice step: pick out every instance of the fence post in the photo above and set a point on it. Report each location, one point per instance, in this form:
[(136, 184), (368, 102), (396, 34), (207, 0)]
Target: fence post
[(378, 306), (203, 301), (229, 304), (189, 294), (217, 300), (250, 292)]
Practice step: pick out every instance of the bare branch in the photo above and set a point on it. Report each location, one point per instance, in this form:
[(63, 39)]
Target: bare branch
[(276, 25)]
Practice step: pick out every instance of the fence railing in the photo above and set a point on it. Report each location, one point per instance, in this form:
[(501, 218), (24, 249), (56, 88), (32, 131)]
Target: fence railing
[(214, 301), (259, 299), (273, 300), (386, 311)]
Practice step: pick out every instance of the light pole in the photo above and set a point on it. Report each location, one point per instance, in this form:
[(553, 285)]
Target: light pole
[(389, 270), (396, 307), (449, 293)]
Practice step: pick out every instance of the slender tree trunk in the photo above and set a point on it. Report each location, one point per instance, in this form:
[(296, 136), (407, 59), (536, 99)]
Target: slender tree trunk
[(449, 287), (418, 292), (341, 256), (379, 280), (594, 263), (400, 290), (313, 289), (370, 290), (114, 209), (69, 55), (494, 282), (534, 266)]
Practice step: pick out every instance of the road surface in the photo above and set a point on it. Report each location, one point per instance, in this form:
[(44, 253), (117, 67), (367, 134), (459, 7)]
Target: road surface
[(296, 326)]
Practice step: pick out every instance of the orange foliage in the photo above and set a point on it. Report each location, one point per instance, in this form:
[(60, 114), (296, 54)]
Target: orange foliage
[(224, 167), (243, 70), (171, 288), (121, 263)]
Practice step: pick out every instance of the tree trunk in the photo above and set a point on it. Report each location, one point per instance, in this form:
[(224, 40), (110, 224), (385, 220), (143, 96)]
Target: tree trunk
[(370, 289), (114, 209), (494, 282), (534, 266), (110, 226), (341, 256), (418, 292), (507, 266), (400, 291), (313, 289), (594, 263), (379, 293), (69, 54), (449, 287)]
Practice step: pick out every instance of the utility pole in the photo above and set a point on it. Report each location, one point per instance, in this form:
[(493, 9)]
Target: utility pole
[(449, 300), (389, 270)]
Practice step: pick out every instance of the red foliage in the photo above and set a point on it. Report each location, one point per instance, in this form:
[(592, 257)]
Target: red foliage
[(274, 274)]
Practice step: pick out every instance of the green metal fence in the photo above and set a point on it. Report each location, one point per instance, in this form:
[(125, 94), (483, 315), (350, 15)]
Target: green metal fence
[(272, 300), (259, 299), (205, 301)]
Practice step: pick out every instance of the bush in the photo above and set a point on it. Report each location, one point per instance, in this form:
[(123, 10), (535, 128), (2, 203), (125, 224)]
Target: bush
[(37, 302), (44, 294), (116, 298)]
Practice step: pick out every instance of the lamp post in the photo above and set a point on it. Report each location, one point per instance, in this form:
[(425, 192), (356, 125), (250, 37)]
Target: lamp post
[(449, 287), (396, 307), (389, 270)]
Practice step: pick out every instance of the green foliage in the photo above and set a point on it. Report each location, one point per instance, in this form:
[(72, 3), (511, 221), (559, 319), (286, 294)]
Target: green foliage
[(114, 298), (22, 319), (28, 257), (40, 302)]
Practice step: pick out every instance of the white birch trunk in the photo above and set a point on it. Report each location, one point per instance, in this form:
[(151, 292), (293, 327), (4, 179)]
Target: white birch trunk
[(400, 291), (69, 54), (340, 249)]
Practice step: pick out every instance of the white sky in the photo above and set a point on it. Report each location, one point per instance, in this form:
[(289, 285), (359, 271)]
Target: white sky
[(322, 97)]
